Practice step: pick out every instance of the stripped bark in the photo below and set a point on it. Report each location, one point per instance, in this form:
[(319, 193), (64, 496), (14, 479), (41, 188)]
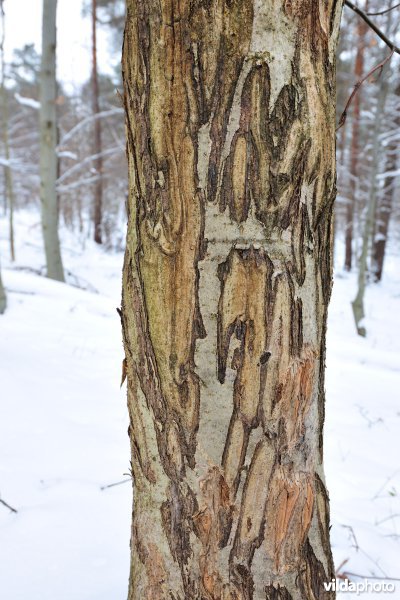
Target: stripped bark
[(48, 143), (362, 29), (230, 111)]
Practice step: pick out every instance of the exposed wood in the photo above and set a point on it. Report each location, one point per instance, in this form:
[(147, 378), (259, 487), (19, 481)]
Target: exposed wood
[(230, 112)]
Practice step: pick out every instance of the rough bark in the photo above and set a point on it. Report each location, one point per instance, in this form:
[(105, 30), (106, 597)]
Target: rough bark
[(9, 187), (230, 110), (48, 143), (362, 29), (97, 147), (384, 211)]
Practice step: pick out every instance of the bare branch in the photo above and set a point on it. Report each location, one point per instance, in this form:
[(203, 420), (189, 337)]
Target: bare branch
[(372, 25), (87, 121), (382, 12), (379, 67), (346, 573), (110, 485), (8, 506)]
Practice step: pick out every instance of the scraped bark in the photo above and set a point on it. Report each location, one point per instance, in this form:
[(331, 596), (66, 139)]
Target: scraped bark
[(230, 110), (48, 143)]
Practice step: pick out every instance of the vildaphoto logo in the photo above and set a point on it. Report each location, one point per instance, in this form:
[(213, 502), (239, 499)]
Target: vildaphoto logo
[(360, 587)]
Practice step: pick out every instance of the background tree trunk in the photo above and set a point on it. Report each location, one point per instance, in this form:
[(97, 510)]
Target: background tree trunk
[(385, 206), (3, 297), (98, 161), (48, 143), (230, 111), (9, 188), (370, 210), (362, 29)]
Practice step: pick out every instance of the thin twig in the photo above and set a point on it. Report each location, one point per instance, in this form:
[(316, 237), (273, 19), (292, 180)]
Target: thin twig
[(105, 487), (387, 519), (338, 572), (379, 67), (372, 25), (382, 12), (353, 535), (8, 506), (384, 485), (370, 576)]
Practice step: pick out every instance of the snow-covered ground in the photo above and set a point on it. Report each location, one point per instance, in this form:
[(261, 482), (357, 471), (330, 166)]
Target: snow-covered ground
[(63, 427)]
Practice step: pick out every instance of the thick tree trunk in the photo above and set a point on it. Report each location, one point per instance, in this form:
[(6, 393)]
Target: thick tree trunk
[(362, 29), (98, 161), (9, 187), (230, 112), (385, 205), (48, 143)]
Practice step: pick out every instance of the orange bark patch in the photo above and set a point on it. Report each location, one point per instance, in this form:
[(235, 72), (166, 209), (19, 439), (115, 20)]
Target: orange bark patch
[(212, 525), (288, 515)]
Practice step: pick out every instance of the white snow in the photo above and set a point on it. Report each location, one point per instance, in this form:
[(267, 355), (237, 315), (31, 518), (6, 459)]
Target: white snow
[(31, 102), (63, 426), (63, 429), (362, 428)]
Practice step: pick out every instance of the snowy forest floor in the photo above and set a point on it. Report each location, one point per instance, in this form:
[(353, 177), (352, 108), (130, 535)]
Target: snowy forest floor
[(63, 426)]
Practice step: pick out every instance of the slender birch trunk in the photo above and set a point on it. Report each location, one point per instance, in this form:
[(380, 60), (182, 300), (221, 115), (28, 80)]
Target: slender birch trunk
[(384, 211), (230, 111), (358, 302), (97, 148), (48, 143), (9, 187), (3, 297), (362, 29)]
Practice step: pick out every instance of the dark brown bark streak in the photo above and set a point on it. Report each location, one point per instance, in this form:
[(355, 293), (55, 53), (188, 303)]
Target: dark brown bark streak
[(182, 64)]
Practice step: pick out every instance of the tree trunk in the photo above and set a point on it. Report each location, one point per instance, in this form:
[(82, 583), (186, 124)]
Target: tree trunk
[(98, 161), (385, 206), (362, 29), (230, 110), (9, 188), (48, 143), (3, 297), (358, 302)]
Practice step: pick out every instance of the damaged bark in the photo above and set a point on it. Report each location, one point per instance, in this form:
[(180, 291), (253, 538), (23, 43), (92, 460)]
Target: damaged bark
[(230, 109)]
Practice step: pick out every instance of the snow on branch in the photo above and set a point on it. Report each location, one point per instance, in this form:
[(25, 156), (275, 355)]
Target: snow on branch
[(27, 101), (87, 121)]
